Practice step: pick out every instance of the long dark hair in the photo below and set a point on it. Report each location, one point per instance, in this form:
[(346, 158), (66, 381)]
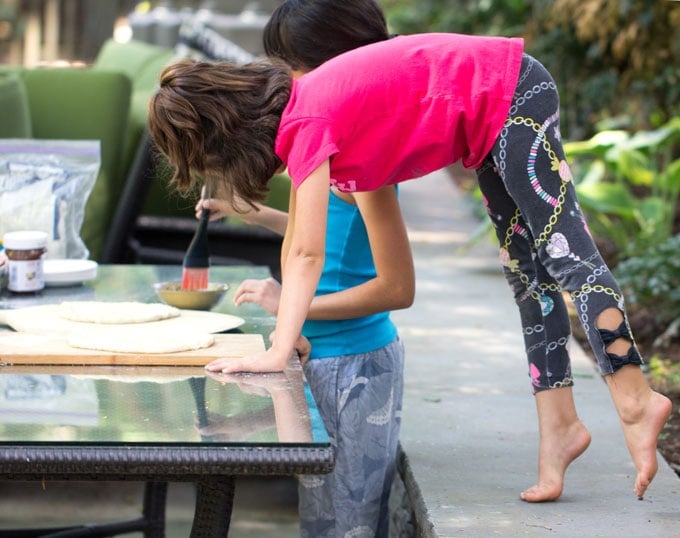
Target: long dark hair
[(216, 123), (306, 33)]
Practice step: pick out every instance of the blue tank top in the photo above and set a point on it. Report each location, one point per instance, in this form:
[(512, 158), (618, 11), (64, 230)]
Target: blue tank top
[(348, 263)]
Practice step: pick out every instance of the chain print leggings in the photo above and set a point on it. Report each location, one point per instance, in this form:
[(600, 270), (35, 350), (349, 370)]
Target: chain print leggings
[(545, 245)]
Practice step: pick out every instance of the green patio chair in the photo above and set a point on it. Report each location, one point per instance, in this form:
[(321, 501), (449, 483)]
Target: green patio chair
[(80, 104)]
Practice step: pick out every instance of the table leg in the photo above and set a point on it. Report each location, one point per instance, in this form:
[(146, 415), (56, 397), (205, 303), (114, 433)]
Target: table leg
[(155, 497), (214, 501)]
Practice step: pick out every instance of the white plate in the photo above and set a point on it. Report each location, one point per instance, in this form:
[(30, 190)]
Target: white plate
[(68, 272)]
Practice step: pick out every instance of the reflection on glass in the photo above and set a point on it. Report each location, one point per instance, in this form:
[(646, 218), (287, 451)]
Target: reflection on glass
[(47, 400), (152, 406), (288, 413)]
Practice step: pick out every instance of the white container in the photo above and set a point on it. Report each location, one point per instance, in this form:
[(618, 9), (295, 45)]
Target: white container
[(24, 251)]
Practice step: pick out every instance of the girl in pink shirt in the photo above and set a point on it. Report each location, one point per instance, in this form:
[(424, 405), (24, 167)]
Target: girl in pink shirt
[(397, 110)]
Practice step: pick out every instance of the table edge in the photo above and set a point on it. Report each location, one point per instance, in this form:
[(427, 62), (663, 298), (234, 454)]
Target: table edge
[(160, 463)]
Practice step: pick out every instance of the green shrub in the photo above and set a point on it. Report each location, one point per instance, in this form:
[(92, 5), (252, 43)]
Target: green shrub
[(629, 185), (652, 280)]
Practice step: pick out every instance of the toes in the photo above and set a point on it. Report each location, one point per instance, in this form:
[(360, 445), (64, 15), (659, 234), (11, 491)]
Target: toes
[(641, 486), (538, 494)]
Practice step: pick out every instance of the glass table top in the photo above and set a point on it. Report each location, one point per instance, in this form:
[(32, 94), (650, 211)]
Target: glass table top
[(154, 405)]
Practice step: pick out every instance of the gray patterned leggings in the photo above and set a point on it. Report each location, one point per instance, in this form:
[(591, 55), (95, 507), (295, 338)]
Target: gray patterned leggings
[(545, 245)]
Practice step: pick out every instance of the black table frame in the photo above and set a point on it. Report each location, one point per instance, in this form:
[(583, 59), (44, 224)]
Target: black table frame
[(212, 469)]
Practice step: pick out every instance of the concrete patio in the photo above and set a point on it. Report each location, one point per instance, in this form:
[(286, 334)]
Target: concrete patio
[(469, 427)]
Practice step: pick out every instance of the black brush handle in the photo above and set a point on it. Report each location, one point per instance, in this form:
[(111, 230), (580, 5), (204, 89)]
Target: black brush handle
[(198, 254)]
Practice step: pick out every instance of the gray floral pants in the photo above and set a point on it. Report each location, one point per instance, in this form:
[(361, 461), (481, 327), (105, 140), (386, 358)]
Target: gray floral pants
[(359, 398), (545, 245)]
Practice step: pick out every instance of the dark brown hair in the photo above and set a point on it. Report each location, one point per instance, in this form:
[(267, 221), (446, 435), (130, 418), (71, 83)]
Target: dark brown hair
[(306, 33), (216, 123)]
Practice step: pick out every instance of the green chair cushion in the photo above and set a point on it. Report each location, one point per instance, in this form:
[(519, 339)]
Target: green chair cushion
[(278, 196), (142, 63), (132, 58), (84, 104), (15, 116)]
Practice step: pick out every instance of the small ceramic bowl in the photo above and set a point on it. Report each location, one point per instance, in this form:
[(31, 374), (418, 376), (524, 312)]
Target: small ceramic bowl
[(172, 293)]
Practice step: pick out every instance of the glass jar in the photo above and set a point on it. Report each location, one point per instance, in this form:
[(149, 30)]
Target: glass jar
[(24, 251)]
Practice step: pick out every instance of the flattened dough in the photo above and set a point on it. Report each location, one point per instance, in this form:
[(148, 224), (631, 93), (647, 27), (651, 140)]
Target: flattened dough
[(139, 342), (114, 313)]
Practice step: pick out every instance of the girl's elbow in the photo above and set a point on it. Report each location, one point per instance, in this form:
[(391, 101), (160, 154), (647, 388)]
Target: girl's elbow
[(403, 297), (307, 258)]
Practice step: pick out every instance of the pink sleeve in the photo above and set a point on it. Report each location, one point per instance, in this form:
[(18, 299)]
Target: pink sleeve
[(306, 143)]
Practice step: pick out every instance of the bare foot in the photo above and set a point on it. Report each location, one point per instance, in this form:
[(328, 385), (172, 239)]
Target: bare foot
[(641, 432), (558, 448)]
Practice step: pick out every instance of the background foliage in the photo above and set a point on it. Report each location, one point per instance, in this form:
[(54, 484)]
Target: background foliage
[(617, 66), (613, 60)]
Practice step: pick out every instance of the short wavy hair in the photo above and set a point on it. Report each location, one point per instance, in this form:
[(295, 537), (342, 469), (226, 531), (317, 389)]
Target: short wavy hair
[(216, 123)]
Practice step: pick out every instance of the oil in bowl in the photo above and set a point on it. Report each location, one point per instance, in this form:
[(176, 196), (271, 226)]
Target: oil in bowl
[(172, 293)]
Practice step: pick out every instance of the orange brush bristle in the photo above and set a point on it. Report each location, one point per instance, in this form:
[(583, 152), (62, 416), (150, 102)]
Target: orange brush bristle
[(196, 263), (194, 279)]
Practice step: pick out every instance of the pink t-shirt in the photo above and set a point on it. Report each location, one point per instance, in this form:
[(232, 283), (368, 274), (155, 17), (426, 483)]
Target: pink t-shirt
[(400, 109)]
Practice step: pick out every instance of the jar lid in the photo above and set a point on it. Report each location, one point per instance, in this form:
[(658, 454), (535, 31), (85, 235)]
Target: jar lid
[(24, 240)]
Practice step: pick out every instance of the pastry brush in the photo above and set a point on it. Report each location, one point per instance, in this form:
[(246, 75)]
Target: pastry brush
[(197, 258)]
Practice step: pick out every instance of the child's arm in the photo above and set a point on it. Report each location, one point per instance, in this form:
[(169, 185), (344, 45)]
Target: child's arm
[(392, 288), (394, 284), (303, 259), (265, 216)]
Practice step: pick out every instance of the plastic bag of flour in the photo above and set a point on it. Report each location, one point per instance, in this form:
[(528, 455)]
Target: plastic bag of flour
[(44, 185)]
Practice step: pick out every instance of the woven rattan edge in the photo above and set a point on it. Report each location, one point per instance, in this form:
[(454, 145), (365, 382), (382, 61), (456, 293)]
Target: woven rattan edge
[(159, 463)]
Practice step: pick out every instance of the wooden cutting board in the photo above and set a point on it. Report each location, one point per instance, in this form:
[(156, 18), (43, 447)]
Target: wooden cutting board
[(29, 348), (45, 319)]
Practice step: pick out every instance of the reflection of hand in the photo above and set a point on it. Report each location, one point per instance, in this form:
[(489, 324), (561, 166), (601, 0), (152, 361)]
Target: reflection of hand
[(265, 293), (226, 428), (287, 394), (256, 384)]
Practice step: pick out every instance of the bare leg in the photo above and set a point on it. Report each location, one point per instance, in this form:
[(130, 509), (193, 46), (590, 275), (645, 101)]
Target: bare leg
[(563, 438), (642, 411)]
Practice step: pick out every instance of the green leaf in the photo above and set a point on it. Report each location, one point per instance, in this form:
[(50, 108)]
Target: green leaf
[(653, 212), (673, 176), (594, 174), (612, 198), (633, 165), (597, 145), (648, 139)]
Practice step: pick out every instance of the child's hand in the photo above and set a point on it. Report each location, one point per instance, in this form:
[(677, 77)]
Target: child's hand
[(266, 361), (302, 346), (265, 293), (218, 208)]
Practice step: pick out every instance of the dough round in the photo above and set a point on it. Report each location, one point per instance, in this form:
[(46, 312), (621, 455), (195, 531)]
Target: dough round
[(139, 342), (116, 313)]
